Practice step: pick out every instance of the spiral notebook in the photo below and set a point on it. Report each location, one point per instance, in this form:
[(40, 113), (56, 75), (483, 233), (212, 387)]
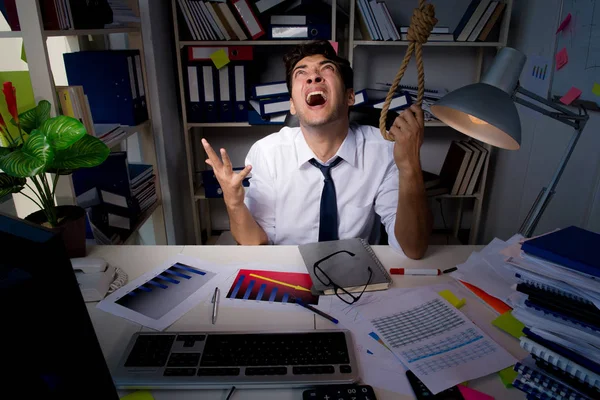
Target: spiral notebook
[(348, 271)]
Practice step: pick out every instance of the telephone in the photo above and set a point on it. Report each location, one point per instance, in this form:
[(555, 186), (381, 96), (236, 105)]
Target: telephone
[(96, 278)]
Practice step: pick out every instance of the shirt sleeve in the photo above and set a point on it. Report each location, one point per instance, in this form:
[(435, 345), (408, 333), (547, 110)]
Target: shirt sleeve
[(386, 201), (260, 195)]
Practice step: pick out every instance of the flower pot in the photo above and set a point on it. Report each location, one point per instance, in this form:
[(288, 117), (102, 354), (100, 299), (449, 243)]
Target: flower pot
[(71, 227)]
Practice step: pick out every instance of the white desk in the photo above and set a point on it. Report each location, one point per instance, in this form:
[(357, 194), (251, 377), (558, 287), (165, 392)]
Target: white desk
[(114, 332)]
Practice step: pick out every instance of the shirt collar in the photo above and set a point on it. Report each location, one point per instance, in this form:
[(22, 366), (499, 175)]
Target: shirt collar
[(347, 150)]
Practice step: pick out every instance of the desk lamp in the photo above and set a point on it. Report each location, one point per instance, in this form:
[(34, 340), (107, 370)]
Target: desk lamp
[(486, 111)]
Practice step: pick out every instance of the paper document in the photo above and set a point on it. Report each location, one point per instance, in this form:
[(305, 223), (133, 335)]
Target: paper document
[(436, 341), (160, 297)]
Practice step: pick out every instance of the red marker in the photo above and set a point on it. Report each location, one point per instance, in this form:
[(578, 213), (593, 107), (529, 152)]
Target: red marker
[(408, 271)]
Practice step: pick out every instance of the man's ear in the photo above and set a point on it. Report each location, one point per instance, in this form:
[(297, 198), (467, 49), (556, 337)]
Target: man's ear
[(350, 97), (292, 107)]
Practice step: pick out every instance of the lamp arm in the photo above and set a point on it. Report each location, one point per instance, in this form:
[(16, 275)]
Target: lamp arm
[(578, 122)]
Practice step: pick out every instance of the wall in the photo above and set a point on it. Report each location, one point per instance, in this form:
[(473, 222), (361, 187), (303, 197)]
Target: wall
[(517, 176)]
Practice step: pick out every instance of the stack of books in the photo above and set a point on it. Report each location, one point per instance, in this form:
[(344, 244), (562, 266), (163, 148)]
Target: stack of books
[(77, 14), (559, 282), (462, 169), (110, 134), (74, 103), (478, 21)]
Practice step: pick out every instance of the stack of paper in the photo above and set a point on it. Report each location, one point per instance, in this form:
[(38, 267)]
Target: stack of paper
[(418, 330)]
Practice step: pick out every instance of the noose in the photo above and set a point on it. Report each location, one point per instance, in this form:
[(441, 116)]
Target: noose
[(421, 24)]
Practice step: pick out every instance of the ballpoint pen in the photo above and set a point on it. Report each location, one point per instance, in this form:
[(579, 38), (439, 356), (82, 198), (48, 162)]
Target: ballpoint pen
[(215, 301)]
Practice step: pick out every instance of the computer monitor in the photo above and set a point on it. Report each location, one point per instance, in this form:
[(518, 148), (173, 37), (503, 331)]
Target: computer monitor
[(48, 346)]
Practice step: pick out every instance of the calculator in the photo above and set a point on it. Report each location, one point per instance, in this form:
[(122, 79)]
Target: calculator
[(340, 392)]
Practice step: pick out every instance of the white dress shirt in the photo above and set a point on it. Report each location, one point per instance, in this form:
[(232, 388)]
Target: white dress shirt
[(284, 196)]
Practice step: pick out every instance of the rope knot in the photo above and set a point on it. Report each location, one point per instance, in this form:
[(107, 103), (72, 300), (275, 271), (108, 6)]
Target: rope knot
[(421, 24)]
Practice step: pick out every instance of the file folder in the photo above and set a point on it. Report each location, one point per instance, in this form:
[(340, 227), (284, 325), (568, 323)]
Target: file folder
[(225, 104), (267, 107), (194, 94), (210, 83), (235, 53), (240, 113), (270, 90), (311, 31)]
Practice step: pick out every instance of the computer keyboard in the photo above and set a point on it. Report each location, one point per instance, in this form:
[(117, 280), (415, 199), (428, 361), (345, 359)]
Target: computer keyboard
[(193, 360)]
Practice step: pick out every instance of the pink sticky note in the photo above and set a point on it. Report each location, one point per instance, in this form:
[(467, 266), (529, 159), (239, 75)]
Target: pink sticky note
[(335, 45), (562, 58), (571, 95), (564, 23), (472, 394)]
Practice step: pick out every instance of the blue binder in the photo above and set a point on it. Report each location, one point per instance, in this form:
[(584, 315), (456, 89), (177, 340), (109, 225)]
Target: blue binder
[(193, 93), (239, 93), (572, 247), (109, 79), (210, 86), (225, 102)]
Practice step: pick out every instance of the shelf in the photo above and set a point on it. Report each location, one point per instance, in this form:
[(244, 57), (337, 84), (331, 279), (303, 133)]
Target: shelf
[(241, 42), (85, 32), (141, 221), (220, 125), (457, 196), (10, 34), (131, 130), (438, 44)]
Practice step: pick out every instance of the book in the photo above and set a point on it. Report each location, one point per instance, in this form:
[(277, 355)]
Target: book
[(469, 19), (483, 21), (348, 271), (431, 180), (491, 22), (454, 167), (573, 248)]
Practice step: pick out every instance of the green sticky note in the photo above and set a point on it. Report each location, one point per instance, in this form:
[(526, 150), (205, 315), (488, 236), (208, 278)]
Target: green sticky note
[(508, 375), (23, 54), (220, 58), (452, 299), (139, 395), (596, 89), (509, 324)]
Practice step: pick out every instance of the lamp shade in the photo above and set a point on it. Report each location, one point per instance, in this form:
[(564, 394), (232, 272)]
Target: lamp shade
[(486, 110), (483, 112)]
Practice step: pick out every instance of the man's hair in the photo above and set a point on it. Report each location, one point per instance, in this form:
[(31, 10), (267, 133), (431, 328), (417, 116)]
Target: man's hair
[(319, 47)]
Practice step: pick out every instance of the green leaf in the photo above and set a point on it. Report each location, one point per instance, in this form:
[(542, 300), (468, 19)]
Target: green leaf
[(10, 184), (31, 159), (34, 118), (4, 151), (85, 153), (63, 131)]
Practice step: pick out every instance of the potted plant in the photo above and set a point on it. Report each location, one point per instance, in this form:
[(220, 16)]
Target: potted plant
[(35, 145)]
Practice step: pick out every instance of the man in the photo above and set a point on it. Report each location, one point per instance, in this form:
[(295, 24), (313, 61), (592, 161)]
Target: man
[(326, 179)]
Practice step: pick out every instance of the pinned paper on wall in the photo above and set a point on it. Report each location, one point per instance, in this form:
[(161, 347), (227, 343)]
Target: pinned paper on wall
[(562, 58), (220, 58), (571, 96), (537, 78), (596, 89), (335, 46), (564, 23)]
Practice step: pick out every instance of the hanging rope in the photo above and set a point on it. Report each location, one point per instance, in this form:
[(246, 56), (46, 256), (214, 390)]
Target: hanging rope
[(421, 23)]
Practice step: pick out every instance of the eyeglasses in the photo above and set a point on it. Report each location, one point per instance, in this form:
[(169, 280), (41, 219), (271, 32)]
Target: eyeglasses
[(340, 292)]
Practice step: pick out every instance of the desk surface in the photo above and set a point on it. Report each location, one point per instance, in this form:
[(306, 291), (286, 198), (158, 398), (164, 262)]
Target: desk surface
[(114, 332)]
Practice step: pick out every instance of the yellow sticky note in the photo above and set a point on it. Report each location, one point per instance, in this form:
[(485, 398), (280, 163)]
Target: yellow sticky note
[(139, 395), (596, 89), (220, 58), (452, 299), (508, 375), (509, 324)]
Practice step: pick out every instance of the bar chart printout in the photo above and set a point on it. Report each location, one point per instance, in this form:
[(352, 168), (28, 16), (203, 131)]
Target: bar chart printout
[(272, 287), (436, 341)]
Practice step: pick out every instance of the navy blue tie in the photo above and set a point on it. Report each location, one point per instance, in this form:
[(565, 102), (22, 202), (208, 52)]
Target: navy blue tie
[(328, 219)]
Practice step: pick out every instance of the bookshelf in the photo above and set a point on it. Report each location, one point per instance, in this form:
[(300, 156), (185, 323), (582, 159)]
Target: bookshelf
[(42, 80), (476, 52)]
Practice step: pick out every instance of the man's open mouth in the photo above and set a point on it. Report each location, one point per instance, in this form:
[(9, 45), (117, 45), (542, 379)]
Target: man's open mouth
[(316, 98)]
